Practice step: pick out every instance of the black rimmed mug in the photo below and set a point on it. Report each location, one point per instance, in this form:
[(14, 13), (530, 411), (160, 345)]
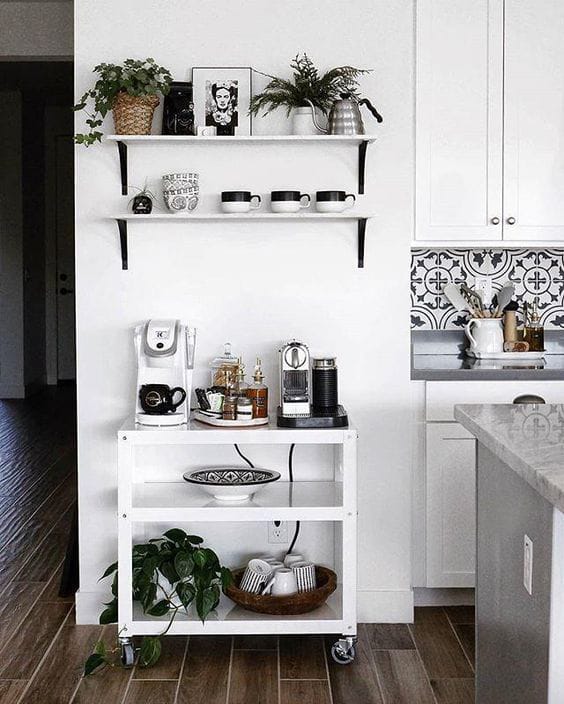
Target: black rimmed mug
[(239, 201), (158, 399), (334, 201), (288, 201)]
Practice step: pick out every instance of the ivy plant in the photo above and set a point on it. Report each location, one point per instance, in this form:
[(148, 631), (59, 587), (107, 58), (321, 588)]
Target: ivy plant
[(307, 83), (170, 574), (138, 78)]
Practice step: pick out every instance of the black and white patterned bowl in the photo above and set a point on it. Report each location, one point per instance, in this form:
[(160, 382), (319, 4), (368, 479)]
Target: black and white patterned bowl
[(231, 483)]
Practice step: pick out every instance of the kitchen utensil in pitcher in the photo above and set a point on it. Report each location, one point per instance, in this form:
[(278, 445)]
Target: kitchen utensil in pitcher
[(504, 296), (345, 117), (452, 292)]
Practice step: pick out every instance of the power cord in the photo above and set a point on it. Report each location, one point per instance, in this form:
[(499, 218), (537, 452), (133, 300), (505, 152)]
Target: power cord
[(291, 476), (242, 456)]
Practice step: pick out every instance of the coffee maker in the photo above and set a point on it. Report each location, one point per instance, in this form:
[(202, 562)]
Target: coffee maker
[(308, 399), (165, 362)]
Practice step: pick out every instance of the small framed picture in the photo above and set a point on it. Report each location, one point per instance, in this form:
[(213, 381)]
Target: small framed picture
[(222, 97)]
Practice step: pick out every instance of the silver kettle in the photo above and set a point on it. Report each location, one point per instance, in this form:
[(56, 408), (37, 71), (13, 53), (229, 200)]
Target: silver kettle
[(345, 117)]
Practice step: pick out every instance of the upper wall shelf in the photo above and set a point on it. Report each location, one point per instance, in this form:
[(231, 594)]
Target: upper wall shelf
[(360, 140)]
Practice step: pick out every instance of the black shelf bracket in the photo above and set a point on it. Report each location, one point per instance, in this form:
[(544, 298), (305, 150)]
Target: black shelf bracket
[(122, 149), (122, 227), (362, 147), (361, 240)]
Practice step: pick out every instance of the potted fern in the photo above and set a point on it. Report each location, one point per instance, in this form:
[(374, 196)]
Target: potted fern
[(306, 85), (131, 90)]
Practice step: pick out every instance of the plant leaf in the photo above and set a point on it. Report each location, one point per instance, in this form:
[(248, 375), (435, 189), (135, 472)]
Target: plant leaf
[(148, 596), (226, 577), (183, 564), (160, 608), (186, 593), (150, 651), (100, 648), (206, 601), (169, 572), (109, 570), (200, 558), (92, 663), (194, 539), (176, 535), (109, 615)]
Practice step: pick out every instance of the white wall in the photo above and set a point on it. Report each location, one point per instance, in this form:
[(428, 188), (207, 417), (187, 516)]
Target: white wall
[(256, 285), (11, 247), (31, 30)]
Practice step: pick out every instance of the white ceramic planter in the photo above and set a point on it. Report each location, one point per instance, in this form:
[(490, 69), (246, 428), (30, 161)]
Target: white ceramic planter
[(302, 121)]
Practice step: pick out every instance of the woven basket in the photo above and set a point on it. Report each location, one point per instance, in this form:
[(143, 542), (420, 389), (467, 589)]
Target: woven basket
[(133, 114), (285, 605)]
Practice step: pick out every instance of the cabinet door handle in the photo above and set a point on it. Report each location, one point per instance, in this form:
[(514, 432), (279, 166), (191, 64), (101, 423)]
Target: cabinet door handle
[(511, 221), (529, 398), (495, 221)]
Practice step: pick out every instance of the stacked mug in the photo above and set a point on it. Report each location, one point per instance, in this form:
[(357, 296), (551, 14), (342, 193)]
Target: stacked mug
[(181, 191), (270, 576)]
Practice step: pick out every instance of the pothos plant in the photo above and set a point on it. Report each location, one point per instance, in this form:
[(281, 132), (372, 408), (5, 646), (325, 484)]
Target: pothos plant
[(306, 84), (137, 78), (169, 574)]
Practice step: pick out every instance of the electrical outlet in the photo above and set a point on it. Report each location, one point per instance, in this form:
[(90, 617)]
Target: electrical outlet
[(528, 564), (277, 532), (483, 285)]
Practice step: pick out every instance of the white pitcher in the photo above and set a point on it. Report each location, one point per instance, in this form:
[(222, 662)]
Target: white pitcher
[(485, 335)]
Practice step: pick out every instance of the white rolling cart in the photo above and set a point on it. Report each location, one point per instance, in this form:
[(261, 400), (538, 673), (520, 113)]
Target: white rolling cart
[(143, 500)]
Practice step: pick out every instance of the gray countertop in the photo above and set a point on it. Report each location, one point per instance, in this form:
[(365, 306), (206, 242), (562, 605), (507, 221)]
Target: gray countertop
[(529, 439), (438, 355)]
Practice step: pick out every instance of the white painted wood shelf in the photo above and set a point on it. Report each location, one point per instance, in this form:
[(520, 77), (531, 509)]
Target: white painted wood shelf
[(360, 141), (142, 499)]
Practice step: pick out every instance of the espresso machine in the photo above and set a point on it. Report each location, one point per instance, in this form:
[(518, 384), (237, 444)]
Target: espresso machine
[(165, 362), (308, 392)]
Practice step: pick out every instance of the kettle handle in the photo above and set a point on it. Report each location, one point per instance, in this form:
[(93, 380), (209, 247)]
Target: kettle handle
[(317, 126), (372, 109)]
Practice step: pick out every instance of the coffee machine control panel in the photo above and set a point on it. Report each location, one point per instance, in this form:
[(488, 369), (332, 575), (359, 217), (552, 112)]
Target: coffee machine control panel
[(161, 338)]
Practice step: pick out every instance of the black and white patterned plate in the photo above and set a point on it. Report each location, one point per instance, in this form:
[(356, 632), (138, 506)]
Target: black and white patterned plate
[(231, 476)]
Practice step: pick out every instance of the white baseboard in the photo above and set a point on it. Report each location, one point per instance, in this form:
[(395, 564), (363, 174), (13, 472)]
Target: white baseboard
[(12, 391), (381, 606), (89, 606), (374, 606), (443, 597)]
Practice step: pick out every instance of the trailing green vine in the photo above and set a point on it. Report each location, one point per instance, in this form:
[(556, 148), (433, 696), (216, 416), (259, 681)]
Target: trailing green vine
[(169, 575)]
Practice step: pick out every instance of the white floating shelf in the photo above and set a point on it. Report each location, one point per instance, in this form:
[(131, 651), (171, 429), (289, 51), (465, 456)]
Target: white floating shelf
[(195, 217), (243, 139), (300, 501)]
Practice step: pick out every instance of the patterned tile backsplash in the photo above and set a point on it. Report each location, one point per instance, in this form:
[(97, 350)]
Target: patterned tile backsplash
[(535, 273)]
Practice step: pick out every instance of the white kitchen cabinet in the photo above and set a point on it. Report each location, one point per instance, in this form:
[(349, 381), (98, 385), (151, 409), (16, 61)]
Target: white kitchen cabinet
[(451, 506), (459, 119), (534, 120), (490, 114)]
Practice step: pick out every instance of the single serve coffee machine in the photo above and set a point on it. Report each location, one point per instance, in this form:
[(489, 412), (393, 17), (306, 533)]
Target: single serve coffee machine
[(165, 362)]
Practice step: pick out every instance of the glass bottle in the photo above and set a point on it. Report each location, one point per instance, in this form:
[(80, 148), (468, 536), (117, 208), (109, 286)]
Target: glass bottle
[(242, 385), (258, 393), (222, 365), (534, 331)]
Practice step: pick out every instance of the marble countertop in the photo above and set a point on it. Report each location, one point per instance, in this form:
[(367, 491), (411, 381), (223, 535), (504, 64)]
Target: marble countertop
[(529, 439)]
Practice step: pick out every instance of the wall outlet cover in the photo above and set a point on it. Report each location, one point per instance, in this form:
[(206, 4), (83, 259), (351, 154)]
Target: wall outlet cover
[(483, 285), (528, 564), (277, 533)]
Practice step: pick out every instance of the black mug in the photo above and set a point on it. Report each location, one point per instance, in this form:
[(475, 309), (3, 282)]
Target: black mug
[(158, 399)]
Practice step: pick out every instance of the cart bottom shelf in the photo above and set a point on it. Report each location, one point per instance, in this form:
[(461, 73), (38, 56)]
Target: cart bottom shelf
[(233, 620)]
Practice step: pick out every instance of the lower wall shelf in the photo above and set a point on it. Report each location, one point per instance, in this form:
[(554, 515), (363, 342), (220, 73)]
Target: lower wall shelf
[(123, 220)]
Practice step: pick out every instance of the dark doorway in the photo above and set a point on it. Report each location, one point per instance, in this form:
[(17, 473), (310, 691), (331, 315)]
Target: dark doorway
[(37, 270)]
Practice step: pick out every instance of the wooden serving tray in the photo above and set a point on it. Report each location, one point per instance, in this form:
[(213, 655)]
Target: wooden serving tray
[(284, 605)]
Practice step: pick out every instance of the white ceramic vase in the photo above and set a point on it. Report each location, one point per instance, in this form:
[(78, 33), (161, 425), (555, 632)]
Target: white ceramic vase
[(302, 121)]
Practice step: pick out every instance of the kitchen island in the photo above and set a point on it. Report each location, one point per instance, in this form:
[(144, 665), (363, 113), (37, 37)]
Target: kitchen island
[(520, 552)]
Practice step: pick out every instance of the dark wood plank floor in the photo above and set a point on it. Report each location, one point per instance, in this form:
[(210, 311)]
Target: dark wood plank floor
[(42, 651)]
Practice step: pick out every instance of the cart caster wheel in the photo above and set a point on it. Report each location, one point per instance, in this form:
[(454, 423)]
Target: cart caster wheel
[(127, 655), (342, 653)]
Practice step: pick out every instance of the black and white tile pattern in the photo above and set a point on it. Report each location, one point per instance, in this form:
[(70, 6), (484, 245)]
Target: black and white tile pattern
[(535, 273)]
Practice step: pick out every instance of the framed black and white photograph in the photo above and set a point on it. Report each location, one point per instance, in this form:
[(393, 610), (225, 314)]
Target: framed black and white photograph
[(221, 100)]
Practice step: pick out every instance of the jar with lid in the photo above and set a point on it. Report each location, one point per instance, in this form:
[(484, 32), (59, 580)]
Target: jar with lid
[(244, 408), (224, 366), (230, 408)]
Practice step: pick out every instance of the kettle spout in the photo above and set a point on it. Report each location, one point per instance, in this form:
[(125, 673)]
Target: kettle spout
[(314, 118)]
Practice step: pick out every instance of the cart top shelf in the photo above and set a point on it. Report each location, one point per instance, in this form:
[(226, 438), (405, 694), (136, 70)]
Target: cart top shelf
[(242, 139), (197, 433)]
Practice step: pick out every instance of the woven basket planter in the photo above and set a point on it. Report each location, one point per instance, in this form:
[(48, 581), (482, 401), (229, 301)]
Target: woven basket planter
[(133, 114)]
